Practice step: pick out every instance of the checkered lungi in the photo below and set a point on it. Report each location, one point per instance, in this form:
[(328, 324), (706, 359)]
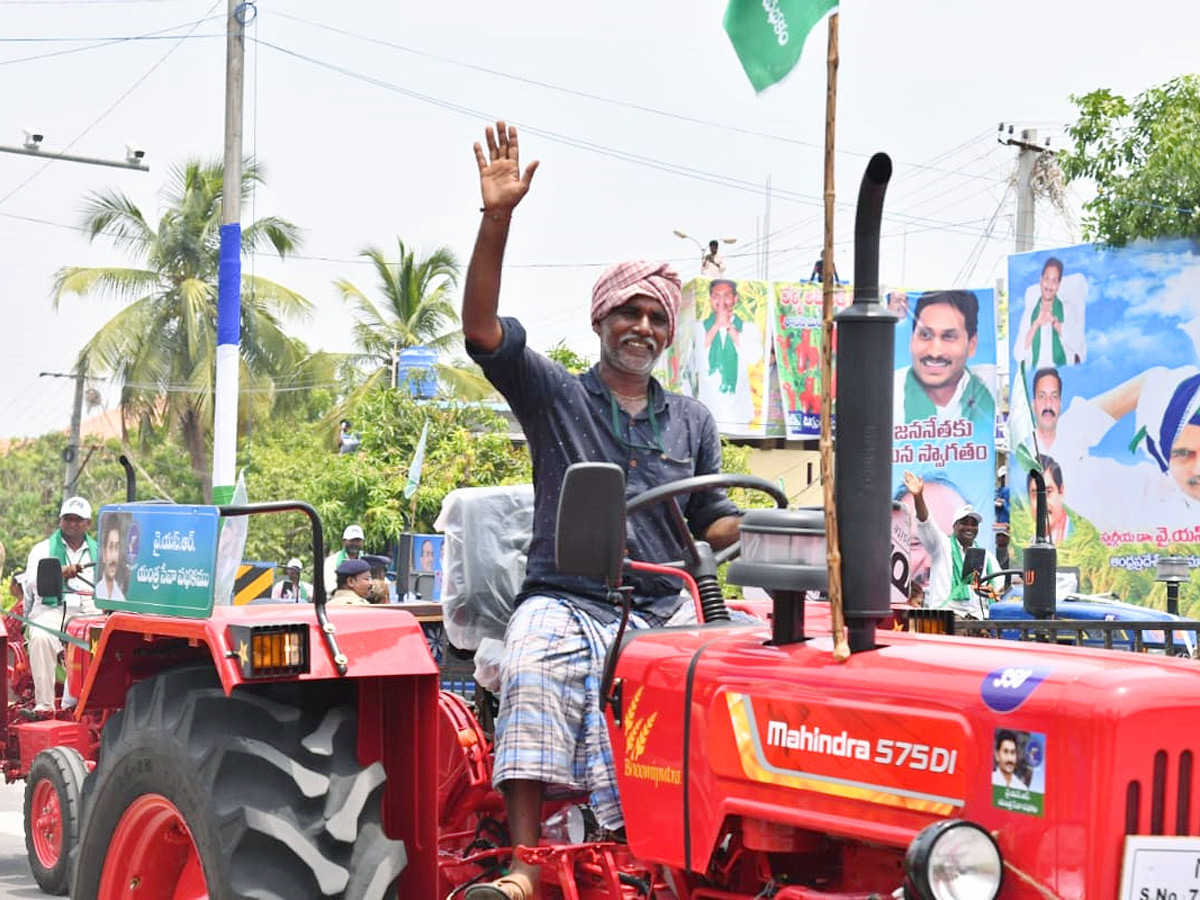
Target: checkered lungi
[(550, 728)]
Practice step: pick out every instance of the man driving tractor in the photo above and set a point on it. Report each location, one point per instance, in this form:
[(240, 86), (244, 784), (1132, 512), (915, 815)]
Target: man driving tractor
[(550, 728), (76, 551)]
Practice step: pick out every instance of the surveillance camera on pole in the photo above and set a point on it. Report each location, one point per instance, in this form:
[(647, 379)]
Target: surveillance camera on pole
[(134, 155)]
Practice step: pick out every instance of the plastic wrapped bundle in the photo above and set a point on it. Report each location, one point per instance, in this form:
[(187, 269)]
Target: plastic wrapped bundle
[(487, 532)]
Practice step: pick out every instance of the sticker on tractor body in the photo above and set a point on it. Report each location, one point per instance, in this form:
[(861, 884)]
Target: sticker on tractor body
[(1019, 771), (1003, 690)]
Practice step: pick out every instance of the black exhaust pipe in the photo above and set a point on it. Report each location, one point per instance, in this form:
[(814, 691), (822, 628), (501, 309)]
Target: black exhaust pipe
[(130, 478), (863, 427)]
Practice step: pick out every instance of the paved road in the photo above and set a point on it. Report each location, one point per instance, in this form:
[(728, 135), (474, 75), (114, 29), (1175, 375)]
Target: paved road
[(16, 883)]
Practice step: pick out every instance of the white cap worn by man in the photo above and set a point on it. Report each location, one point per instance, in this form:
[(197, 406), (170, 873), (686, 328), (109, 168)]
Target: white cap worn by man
[(290, 587), (352, 548)]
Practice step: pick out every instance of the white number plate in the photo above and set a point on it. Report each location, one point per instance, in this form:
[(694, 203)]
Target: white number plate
[(1161, 868)]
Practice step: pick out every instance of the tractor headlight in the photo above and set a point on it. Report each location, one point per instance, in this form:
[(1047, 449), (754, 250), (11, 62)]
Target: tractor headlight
[(270, 651), (954, 860)]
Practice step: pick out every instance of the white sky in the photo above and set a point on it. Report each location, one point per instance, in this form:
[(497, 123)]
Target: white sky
[(643, 120)]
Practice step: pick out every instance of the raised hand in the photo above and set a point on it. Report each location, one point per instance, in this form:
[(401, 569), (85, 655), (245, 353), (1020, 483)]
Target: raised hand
[(914, 483), (500, 179)]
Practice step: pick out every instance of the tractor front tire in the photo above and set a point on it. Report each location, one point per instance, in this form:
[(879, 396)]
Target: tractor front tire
[(255, 795), (52, 801)]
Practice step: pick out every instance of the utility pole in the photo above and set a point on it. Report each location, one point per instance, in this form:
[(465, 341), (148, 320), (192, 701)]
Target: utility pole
[(1030, 149), (71, 455), (229, 270)]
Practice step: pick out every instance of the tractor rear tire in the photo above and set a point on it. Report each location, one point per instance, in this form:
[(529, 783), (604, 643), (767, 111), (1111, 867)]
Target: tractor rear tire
[(255, 795), (52, 806)]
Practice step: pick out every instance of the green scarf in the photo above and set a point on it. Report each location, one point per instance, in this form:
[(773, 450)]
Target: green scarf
[(723, 355), (918, 406), (1056, 351), (960, 588), (58, 550)]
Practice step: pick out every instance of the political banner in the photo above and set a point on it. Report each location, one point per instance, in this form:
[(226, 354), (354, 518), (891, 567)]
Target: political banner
[(1109, 341), (944, 406), (796, 316), (720, 355), (157, 559)]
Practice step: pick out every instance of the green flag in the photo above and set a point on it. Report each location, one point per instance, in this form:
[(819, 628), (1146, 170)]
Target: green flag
[(768, 35), (414, 467), (1022, 427)]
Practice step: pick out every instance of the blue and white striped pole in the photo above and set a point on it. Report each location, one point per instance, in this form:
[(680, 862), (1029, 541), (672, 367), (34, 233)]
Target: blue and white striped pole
[(229, 270)]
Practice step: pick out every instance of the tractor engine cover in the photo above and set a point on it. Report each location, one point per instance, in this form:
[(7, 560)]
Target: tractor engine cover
[(1058, 752)]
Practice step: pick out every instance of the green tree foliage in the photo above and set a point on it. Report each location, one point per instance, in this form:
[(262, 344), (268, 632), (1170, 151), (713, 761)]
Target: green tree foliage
[(468, 445), (415, 310), (568, 358), (31, 477), (1144, 158), (162, 344)]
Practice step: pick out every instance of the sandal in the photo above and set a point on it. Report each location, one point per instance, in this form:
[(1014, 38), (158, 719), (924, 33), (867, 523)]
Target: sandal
[(508, 887)]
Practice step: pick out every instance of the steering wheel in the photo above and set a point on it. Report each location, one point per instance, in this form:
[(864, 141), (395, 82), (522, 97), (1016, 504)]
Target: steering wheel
[(695, 484)]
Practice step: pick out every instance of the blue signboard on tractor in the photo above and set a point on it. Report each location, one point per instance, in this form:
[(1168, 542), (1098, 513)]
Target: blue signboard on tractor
[(157, 559)]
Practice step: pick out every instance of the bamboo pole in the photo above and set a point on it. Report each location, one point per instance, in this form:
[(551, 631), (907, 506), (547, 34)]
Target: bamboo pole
[(841, 649)]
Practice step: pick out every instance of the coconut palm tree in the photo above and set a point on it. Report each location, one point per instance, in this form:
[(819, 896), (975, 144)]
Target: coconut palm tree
[(162, 344), (415, 311)]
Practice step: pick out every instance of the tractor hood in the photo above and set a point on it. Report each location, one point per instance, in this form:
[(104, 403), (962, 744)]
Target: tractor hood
[(719, 730)]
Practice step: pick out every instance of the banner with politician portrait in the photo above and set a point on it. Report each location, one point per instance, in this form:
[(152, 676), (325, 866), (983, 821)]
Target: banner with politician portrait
[(944, 405), (1105, 369), (720, 355)]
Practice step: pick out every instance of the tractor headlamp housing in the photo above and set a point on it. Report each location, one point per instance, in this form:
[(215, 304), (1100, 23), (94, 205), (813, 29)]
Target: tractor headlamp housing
[(953, 860), (270, 651)]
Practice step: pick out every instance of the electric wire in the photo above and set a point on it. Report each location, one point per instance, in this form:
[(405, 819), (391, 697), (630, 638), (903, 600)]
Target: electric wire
[(968, 267), (679, 117), (42, 168), (161, 34), (589, 146)]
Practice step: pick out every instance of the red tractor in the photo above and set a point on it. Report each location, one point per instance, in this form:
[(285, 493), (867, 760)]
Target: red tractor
[(48, 754), (289, 751), (297, 751)]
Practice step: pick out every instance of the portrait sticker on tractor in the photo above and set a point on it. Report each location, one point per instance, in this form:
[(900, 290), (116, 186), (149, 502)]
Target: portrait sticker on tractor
[(157, 559), (1019, 771), (1003, 690), (863, 752)]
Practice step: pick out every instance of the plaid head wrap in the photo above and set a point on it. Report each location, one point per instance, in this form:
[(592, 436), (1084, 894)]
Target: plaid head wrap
[(621, 282)]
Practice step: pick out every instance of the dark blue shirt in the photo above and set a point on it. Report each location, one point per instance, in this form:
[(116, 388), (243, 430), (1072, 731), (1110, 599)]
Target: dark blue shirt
[(568, 419)]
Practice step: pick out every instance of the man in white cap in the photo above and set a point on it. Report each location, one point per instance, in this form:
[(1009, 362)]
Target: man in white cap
[(352, 548), (77, 553), (948, 589), (290, 587)]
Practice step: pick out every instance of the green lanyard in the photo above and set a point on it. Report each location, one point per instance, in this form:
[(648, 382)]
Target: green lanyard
[(630, 444)]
